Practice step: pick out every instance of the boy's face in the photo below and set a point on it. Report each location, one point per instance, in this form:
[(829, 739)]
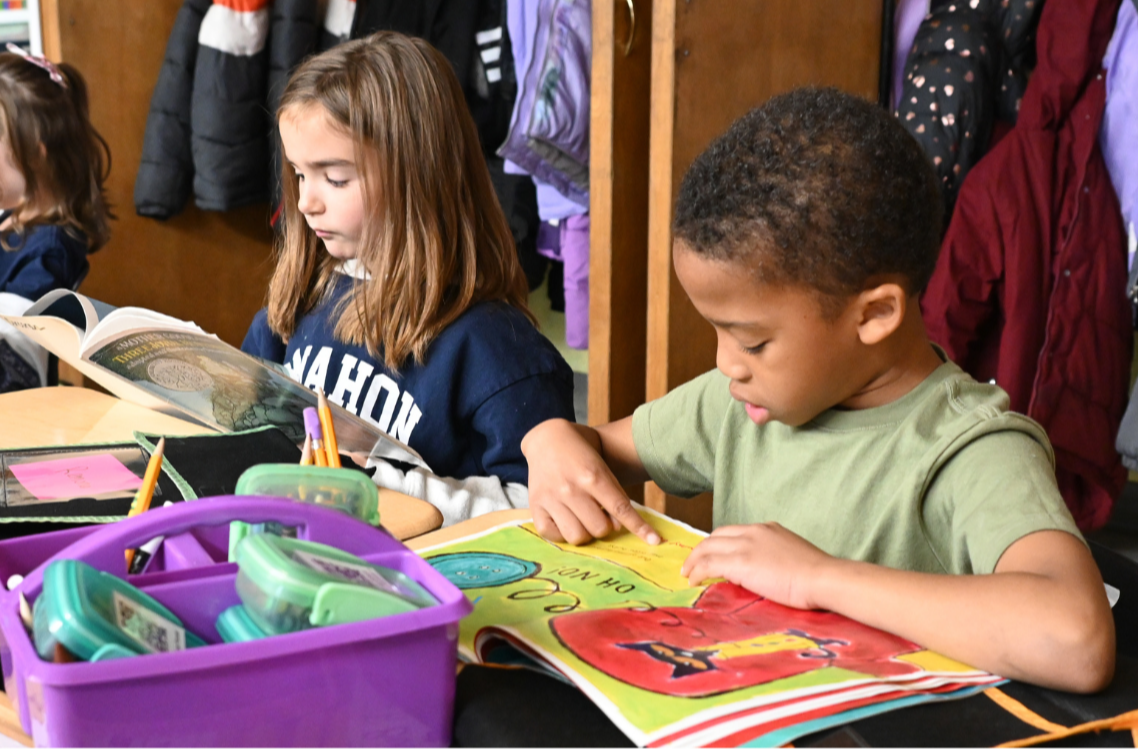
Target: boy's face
[(328, 181), (786, 360)]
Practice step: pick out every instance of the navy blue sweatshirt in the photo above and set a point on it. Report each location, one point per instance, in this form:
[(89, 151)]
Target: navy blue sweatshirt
[(486, 380), (44, 259)]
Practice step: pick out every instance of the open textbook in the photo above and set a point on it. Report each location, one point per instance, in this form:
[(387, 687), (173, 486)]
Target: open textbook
[(174, 366), (673, 664)]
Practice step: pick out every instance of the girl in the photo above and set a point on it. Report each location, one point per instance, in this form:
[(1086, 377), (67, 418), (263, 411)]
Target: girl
[(53, 210), (397, 288)]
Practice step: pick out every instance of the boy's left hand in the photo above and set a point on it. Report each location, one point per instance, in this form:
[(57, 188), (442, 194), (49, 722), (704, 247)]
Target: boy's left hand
[(764, 558)]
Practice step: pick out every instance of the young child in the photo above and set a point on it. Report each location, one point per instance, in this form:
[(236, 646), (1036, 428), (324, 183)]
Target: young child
[(53, 210), (398, 290), (853, 467)]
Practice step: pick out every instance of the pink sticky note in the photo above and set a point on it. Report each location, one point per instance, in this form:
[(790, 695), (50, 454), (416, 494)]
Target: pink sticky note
[(84, 476)]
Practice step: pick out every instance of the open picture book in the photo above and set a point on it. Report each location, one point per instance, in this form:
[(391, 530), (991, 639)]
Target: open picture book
[(675, 664), (174, 366)]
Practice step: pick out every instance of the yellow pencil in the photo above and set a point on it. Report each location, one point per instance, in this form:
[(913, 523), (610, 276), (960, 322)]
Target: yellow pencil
[(329, 430), (306, 453), (313, 429), (145, 493)]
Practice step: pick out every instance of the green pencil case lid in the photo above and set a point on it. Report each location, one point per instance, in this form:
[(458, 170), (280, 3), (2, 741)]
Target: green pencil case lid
[(287, 585), (235, 625), (97, 616), (345, 489)]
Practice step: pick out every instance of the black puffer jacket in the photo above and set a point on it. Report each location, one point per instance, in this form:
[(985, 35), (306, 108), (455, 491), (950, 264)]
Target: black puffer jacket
[(211, 113)]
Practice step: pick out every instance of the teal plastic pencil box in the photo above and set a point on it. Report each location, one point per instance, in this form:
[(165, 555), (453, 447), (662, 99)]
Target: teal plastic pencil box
[(287, 585), (97, 616), (235, 625), (344, 489)]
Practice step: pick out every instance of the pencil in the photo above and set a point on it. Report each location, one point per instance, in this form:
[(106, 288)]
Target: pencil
[(329, 428), (61, 654), (143, 554), (306, 453), (146, 551), (312, 426), (145, 493)]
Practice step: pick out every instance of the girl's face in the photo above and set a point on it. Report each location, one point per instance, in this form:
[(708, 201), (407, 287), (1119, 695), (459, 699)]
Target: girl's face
[(331, 196), (12, 183)]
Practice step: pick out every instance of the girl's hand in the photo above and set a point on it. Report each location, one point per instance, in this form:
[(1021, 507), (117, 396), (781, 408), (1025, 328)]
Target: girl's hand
[(764, 558), (573, 494)]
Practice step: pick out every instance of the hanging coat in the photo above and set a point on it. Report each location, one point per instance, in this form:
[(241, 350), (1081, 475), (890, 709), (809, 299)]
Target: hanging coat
[(1026, 290), (210, 121), (549, 128), (967, 69)]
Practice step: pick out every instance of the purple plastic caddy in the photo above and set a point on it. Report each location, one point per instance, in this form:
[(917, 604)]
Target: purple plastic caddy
[(383, 682)]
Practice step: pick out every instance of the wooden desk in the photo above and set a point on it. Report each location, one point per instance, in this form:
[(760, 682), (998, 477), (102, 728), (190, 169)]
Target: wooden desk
[(71, 416), (10, 724), (466, 528)]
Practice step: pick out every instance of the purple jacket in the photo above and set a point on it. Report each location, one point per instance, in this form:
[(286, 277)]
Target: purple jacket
[(1120, 119), (521, 20), (549, 132), (906, 20)]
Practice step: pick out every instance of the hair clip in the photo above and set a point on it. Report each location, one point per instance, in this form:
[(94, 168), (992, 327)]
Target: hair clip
[(40, 62)]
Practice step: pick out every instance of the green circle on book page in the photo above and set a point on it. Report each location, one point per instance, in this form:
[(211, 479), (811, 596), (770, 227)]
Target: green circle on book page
[(478, 569)]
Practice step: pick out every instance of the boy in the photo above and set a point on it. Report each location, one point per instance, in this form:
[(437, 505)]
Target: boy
[(854, 469)]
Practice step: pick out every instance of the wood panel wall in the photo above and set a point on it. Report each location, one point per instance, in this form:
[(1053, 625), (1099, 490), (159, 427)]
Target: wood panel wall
[(712, 61), (211, 268), (618, 190)]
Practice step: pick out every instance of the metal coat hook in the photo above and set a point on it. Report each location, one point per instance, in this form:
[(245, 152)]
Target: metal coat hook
[(631, 27)]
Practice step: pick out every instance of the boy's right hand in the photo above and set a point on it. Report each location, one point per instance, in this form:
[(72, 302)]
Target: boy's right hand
[(573, 494)]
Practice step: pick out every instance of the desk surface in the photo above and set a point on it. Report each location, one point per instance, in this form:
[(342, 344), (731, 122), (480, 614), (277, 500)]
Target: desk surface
[(466, 528), (73, 416)]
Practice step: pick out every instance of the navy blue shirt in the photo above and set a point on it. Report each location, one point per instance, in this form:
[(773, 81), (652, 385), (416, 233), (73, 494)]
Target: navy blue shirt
[(44, 259), (487, 379)]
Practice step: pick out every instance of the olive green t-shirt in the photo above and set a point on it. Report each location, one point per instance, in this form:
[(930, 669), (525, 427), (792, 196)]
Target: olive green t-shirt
[(943, 479)]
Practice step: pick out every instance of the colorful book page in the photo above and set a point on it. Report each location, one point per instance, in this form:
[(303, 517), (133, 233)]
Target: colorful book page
[(83, 476), (670, 663)]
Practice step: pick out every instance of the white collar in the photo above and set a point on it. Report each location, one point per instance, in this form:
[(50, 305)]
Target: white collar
[(354, 268)]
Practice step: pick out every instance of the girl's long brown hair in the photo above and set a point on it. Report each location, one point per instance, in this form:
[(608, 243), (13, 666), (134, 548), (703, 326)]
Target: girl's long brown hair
[(435, 240), (64, 160)]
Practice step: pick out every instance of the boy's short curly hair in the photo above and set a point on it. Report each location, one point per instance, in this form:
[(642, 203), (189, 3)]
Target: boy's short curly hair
[(818, 188)]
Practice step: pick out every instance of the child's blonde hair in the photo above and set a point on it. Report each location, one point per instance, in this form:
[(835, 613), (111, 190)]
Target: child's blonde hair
[(435, 240), (63, 159)]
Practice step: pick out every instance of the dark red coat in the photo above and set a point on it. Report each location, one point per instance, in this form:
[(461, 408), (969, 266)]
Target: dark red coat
[(1029, 289)]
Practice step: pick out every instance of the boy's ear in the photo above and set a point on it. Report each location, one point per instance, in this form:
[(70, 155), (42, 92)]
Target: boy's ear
[(880, 311)]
